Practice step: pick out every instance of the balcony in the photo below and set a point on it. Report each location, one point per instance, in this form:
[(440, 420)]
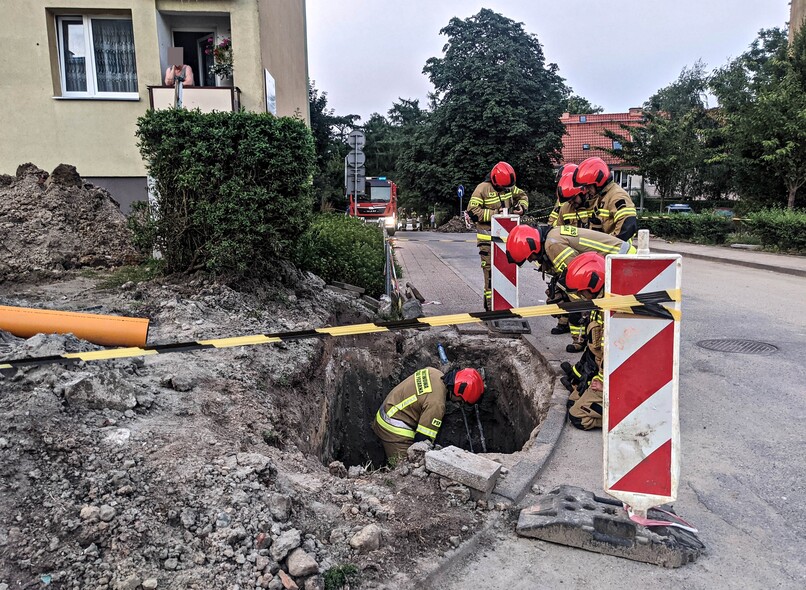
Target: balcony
[(205, 98)]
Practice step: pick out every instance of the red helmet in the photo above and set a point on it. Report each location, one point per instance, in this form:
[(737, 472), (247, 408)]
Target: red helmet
[(566, 189), (522, 242), (469, 385), (592, 171), (502, 176), (586, 272), (564, 170)]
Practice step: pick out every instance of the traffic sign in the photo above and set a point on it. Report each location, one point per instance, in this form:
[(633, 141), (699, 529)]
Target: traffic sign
[(357, 140), (460, 192), (355, 159)]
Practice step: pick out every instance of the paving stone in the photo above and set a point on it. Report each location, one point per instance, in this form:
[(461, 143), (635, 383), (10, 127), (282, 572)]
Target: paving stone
[(464, 467)]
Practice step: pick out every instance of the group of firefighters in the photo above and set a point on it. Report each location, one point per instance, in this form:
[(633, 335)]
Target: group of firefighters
[(593, 216)]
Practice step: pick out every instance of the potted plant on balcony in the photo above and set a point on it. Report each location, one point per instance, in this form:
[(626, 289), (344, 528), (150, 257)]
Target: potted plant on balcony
[(222, 59)]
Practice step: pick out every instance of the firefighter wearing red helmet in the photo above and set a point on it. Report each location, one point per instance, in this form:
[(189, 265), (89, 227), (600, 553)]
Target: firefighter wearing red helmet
[(497, 192), (573, 210), (612, 209), (414, 409), (585, 276)]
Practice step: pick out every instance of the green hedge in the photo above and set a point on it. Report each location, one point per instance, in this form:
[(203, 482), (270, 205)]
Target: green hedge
[(234, 188), (779, 229), (341, 248), (705, 228)]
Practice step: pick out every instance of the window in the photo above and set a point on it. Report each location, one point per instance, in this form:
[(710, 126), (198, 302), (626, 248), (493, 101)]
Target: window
[(616, 145), (96, 57), (583, 119), (586, 146)]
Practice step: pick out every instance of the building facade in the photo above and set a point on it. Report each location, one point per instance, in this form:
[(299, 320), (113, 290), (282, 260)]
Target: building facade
[(584, 137), (82, 70)]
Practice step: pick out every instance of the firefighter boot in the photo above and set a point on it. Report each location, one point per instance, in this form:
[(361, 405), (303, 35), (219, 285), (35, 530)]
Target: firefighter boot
[(562, 326)]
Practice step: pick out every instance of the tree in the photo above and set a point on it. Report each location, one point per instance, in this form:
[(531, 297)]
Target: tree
[(673, 146), (494, 98), (329, 131), (763, 97), (577, 105)]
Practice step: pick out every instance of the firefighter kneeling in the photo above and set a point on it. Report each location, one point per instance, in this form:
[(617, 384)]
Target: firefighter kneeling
[(585, 276), (414, 409)]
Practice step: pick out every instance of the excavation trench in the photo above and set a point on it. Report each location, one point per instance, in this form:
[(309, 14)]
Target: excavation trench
[(356, 374)]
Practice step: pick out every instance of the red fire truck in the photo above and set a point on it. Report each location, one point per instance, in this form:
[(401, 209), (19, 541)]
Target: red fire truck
[(378, 203)]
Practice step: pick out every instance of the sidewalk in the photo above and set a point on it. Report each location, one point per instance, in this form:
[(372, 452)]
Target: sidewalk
[(783, 263)]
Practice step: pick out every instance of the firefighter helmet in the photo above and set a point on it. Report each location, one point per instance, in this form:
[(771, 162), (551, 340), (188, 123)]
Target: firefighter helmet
[(522, 242), (566, 189), (592, 171), (586, 272), (468, 385), (564, 170), (502, 176)]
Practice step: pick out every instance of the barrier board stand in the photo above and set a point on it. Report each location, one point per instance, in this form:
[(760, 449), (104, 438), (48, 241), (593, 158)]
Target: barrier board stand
[(641, 430), (504, 275)]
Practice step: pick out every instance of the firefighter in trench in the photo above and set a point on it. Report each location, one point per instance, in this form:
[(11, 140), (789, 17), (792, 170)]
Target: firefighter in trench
[(414, 409), (496, 192)]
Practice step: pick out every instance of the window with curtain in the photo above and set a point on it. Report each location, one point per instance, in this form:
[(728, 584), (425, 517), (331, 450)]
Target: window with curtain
[(97, 57)]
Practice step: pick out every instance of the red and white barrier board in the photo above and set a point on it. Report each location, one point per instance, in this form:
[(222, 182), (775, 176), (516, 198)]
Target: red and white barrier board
[(640, 423), (504, 274)]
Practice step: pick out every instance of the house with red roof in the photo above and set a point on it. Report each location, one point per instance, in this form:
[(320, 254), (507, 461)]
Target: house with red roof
[(585, 133)]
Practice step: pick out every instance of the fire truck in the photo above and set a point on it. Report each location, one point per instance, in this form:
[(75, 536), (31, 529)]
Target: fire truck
[(377, 204)]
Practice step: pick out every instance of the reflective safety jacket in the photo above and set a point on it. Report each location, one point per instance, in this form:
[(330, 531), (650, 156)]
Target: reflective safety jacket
[(416, 405), (486, 202), (611, 208), (560, 245), (570, 214)]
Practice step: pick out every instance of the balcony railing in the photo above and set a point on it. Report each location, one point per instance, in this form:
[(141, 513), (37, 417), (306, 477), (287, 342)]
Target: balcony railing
[(205, 98)]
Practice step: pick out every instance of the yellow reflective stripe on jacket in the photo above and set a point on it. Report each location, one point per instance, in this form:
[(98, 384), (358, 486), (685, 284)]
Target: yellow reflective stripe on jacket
[(599, 246), (562, 257), (404, 404), (404, 432), (426, 431), (603, 213), (576, 330), (626, 212), (484, 237)]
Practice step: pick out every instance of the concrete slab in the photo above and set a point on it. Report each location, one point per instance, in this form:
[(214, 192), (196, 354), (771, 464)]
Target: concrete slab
[(478, 473), (569, 515), (510, 327)]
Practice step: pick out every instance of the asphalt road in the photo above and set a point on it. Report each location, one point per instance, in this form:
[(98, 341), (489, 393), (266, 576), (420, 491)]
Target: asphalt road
[(743, 475)]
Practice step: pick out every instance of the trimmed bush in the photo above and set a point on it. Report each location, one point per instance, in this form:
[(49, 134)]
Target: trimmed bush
[(705, 228), (341, 248), (234, 188), (780, 229)]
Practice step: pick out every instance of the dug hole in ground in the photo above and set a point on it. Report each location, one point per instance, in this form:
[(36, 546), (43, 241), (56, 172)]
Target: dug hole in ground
[(250, 467)]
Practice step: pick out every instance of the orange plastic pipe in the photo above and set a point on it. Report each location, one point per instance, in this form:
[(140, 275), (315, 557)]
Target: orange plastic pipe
[(106, 330)]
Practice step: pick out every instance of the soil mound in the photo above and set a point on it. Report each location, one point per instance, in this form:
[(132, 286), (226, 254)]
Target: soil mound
[(54, 222), (456, 225)]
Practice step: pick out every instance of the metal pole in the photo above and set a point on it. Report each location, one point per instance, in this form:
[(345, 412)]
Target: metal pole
[(481, 430), (467, 428), (355, 176)]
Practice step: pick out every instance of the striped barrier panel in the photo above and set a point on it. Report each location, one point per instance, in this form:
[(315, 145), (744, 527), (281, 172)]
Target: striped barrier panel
[(504, 274), (640, 422)]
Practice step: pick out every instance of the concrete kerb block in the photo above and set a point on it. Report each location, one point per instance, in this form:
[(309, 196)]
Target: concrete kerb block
[(474, 471), (518, 482)]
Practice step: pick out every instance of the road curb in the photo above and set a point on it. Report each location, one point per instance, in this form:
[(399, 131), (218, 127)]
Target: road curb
[(745, 263)]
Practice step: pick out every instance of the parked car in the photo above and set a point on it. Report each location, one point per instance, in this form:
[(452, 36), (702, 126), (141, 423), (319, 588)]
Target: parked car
[(724, 211), (679, 208)]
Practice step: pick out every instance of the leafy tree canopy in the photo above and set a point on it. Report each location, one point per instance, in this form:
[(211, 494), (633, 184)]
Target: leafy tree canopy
[(495, 98), (578, 105)]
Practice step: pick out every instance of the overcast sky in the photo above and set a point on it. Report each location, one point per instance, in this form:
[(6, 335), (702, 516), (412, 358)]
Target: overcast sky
[(366, 54)]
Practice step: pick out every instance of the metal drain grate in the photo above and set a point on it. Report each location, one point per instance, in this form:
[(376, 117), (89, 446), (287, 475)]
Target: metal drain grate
[(741, 346)]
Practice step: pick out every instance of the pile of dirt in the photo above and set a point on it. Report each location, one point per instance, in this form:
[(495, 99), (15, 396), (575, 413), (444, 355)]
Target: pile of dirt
[(54, 222), (199, 470), (456, 225)]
